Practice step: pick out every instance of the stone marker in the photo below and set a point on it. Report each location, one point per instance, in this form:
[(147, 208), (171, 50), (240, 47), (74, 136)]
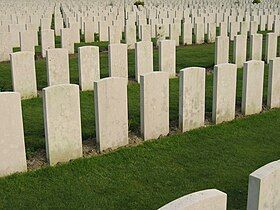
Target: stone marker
[(256, 47), (210, 199), (276, 27), (130, 36), (66, 40), (167, 57), (57, 66), (47, 41), (244, 28), (199, 33), (271, 46), (234, 29), (143, 58), (27, 41), (253, 27), (224, 92), (211, 32), (110, 99), (264, 188), (114, 34), (103, 30), (223, 29), (118, 63), (273, 95), (161, 31), (174, 33), (252, 87), (191, 98), (58, 25), (89, 31), (74, 32), (12, 148), (263, 22), (14, 30), (240, 50), (5, 46), (23, 74), (221, 50), (187, 33), (146, 33), (154, 104), (89, 66), (62, 123)]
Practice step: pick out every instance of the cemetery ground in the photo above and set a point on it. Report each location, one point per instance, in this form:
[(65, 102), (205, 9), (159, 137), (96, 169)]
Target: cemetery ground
[(152, 173)]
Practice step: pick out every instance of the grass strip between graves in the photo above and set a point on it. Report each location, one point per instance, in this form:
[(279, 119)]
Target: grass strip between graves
[(156, 172)]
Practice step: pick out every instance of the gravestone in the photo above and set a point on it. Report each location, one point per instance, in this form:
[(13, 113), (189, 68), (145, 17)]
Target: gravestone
[(12, 148), (252, 87), (224, 92), (111, 115), (89, 66), (62, 123), (256, 47), (210, 199), (47, 41), (66, 40), (221, 50), (240, 50), (273, 95), (271, 46), (167, 57), (264, 187), (57, 66), (143, 58), (154, 105), (191, 98), (118, 63), (24, 74)]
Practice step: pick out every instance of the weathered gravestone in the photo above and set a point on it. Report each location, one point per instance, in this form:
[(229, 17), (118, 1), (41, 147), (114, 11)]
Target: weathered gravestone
[(23, 74), (89, 66), (118, 63), (221, 50), (240, 50), (192, 98), (264, 188), (62, 123), (143, 58), (256, 47), (224, 92), (271, 46), (252, 87), (47, 41), (67, 40), (12, 149), (211, 199), (154, 105), (57, 66), (111, 115), (273, 95), (167, 57)]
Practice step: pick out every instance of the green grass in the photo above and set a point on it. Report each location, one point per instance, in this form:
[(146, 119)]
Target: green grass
[(151, 174), (186, 56), (195, 55), (156, 172)]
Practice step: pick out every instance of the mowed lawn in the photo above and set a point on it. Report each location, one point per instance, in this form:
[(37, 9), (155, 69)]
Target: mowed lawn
[(153, 173), (156, 172)]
